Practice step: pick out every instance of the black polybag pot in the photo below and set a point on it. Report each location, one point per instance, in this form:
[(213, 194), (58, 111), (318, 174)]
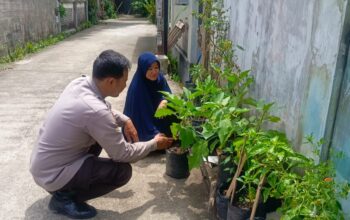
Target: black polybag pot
[(272, 204), (237, 213), (256, 218), (176, 165), (221, 203), (224, 174)]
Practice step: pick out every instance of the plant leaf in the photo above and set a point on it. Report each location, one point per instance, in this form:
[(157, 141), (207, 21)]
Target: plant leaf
[(199, 151), (174, 130), (162, 112), (225, 130), (274, 119), (187, 136)]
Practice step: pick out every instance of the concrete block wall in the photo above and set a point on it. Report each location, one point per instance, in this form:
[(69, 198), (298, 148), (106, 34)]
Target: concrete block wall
[(26, 20), (67, 21), (75, 13), (81, 12)]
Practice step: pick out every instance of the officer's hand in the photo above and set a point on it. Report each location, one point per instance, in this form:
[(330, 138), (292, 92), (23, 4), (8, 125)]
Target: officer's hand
[(130, 132), (163, 142)]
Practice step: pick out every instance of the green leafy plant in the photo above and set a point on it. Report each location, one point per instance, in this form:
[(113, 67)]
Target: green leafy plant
[(145, 8), (315, 193), (173, 68), (185, 110), (251, 141), (269, 156), (20, 51), (218, 105), (220, 51), (150, 6), (62, 10), (209, 118), (138, 7), (93, 11), (84, 25), (273, 169), (109, 10)]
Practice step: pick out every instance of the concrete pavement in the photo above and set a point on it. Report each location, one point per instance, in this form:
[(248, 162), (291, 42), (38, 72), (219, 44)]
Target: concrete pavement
[(30, 87)]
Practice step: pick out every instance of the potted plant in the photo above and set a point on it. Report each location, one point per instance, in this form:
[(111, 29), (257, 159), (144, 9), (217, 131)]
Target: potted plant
[(185, 131), (260, 155), (199, 113)]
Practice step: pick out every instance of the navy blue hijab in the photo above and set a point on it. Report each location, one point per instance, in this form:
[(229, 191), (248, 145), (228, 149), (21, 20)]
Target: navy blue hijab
[(143, 98)]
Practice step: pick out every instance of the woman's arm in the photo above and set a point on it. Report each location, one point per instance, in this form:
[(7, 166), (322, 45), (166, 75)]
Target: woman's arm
[(162, 104)]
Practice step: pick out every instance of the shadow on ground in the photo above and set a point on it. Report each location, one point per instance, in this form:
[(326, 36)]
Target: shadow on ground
[(169, 198), (174, 198)]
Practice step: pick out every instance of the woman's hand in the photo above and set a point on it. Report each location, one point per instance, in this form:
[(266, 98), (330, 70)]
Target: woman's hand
[(130, 132), (162, 104)]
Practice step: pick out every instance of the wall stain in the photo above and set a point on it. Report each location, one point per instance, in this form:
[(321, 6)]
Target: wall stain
[(315, 105)]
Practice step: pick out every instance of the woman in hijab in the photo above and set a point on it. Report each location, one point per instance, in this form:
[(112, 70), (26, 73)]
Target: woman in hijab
[(144, 98)]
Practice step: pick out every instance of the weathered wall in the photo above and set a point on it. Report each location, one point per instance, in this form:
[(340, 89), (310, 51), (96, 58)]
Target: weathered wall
[(26, 20), (291, 48)]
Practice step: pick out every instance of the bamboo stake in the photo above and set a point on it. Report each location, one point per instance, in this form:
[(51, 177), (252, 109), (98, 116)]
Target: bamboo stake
[(232, 188), (236, 177), (257, 196), (232, 184)]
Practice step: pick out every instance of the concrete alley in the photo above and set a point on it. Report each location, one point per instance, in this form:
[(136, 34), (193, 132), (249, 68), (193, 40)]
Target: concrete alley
[(28, 88)]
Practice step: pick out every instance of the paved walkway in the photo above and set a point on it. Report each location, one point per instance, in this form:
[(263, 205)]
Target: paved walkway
[(30, 87)]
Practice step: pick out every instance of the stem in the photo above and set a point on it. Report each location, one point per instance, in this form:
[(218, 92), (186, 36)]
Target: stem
[(257, 196), (207, 5), (260, 121)]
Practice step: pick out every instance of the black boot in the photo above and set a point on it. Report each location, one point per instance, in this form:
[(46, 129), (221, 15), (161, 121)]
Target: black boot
[(62, 202)]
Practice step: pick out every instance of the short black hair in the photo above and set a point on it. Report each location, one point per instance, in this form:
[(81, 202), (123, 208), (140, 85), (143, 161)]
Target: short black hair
[(110, 64)]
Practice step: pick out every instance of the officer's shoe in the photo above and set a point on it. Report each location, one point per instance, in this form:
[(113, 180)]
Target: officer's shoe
[(63, 203)]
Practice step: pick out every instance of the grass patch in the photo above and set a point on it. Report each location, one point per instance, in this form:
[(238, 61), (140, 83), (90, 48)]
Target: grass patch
[(20, 51), (173, 69)]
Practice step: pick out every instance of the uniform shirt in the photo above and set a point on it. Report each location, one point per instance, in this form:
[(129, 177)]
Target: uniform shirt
[(80, 118)]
